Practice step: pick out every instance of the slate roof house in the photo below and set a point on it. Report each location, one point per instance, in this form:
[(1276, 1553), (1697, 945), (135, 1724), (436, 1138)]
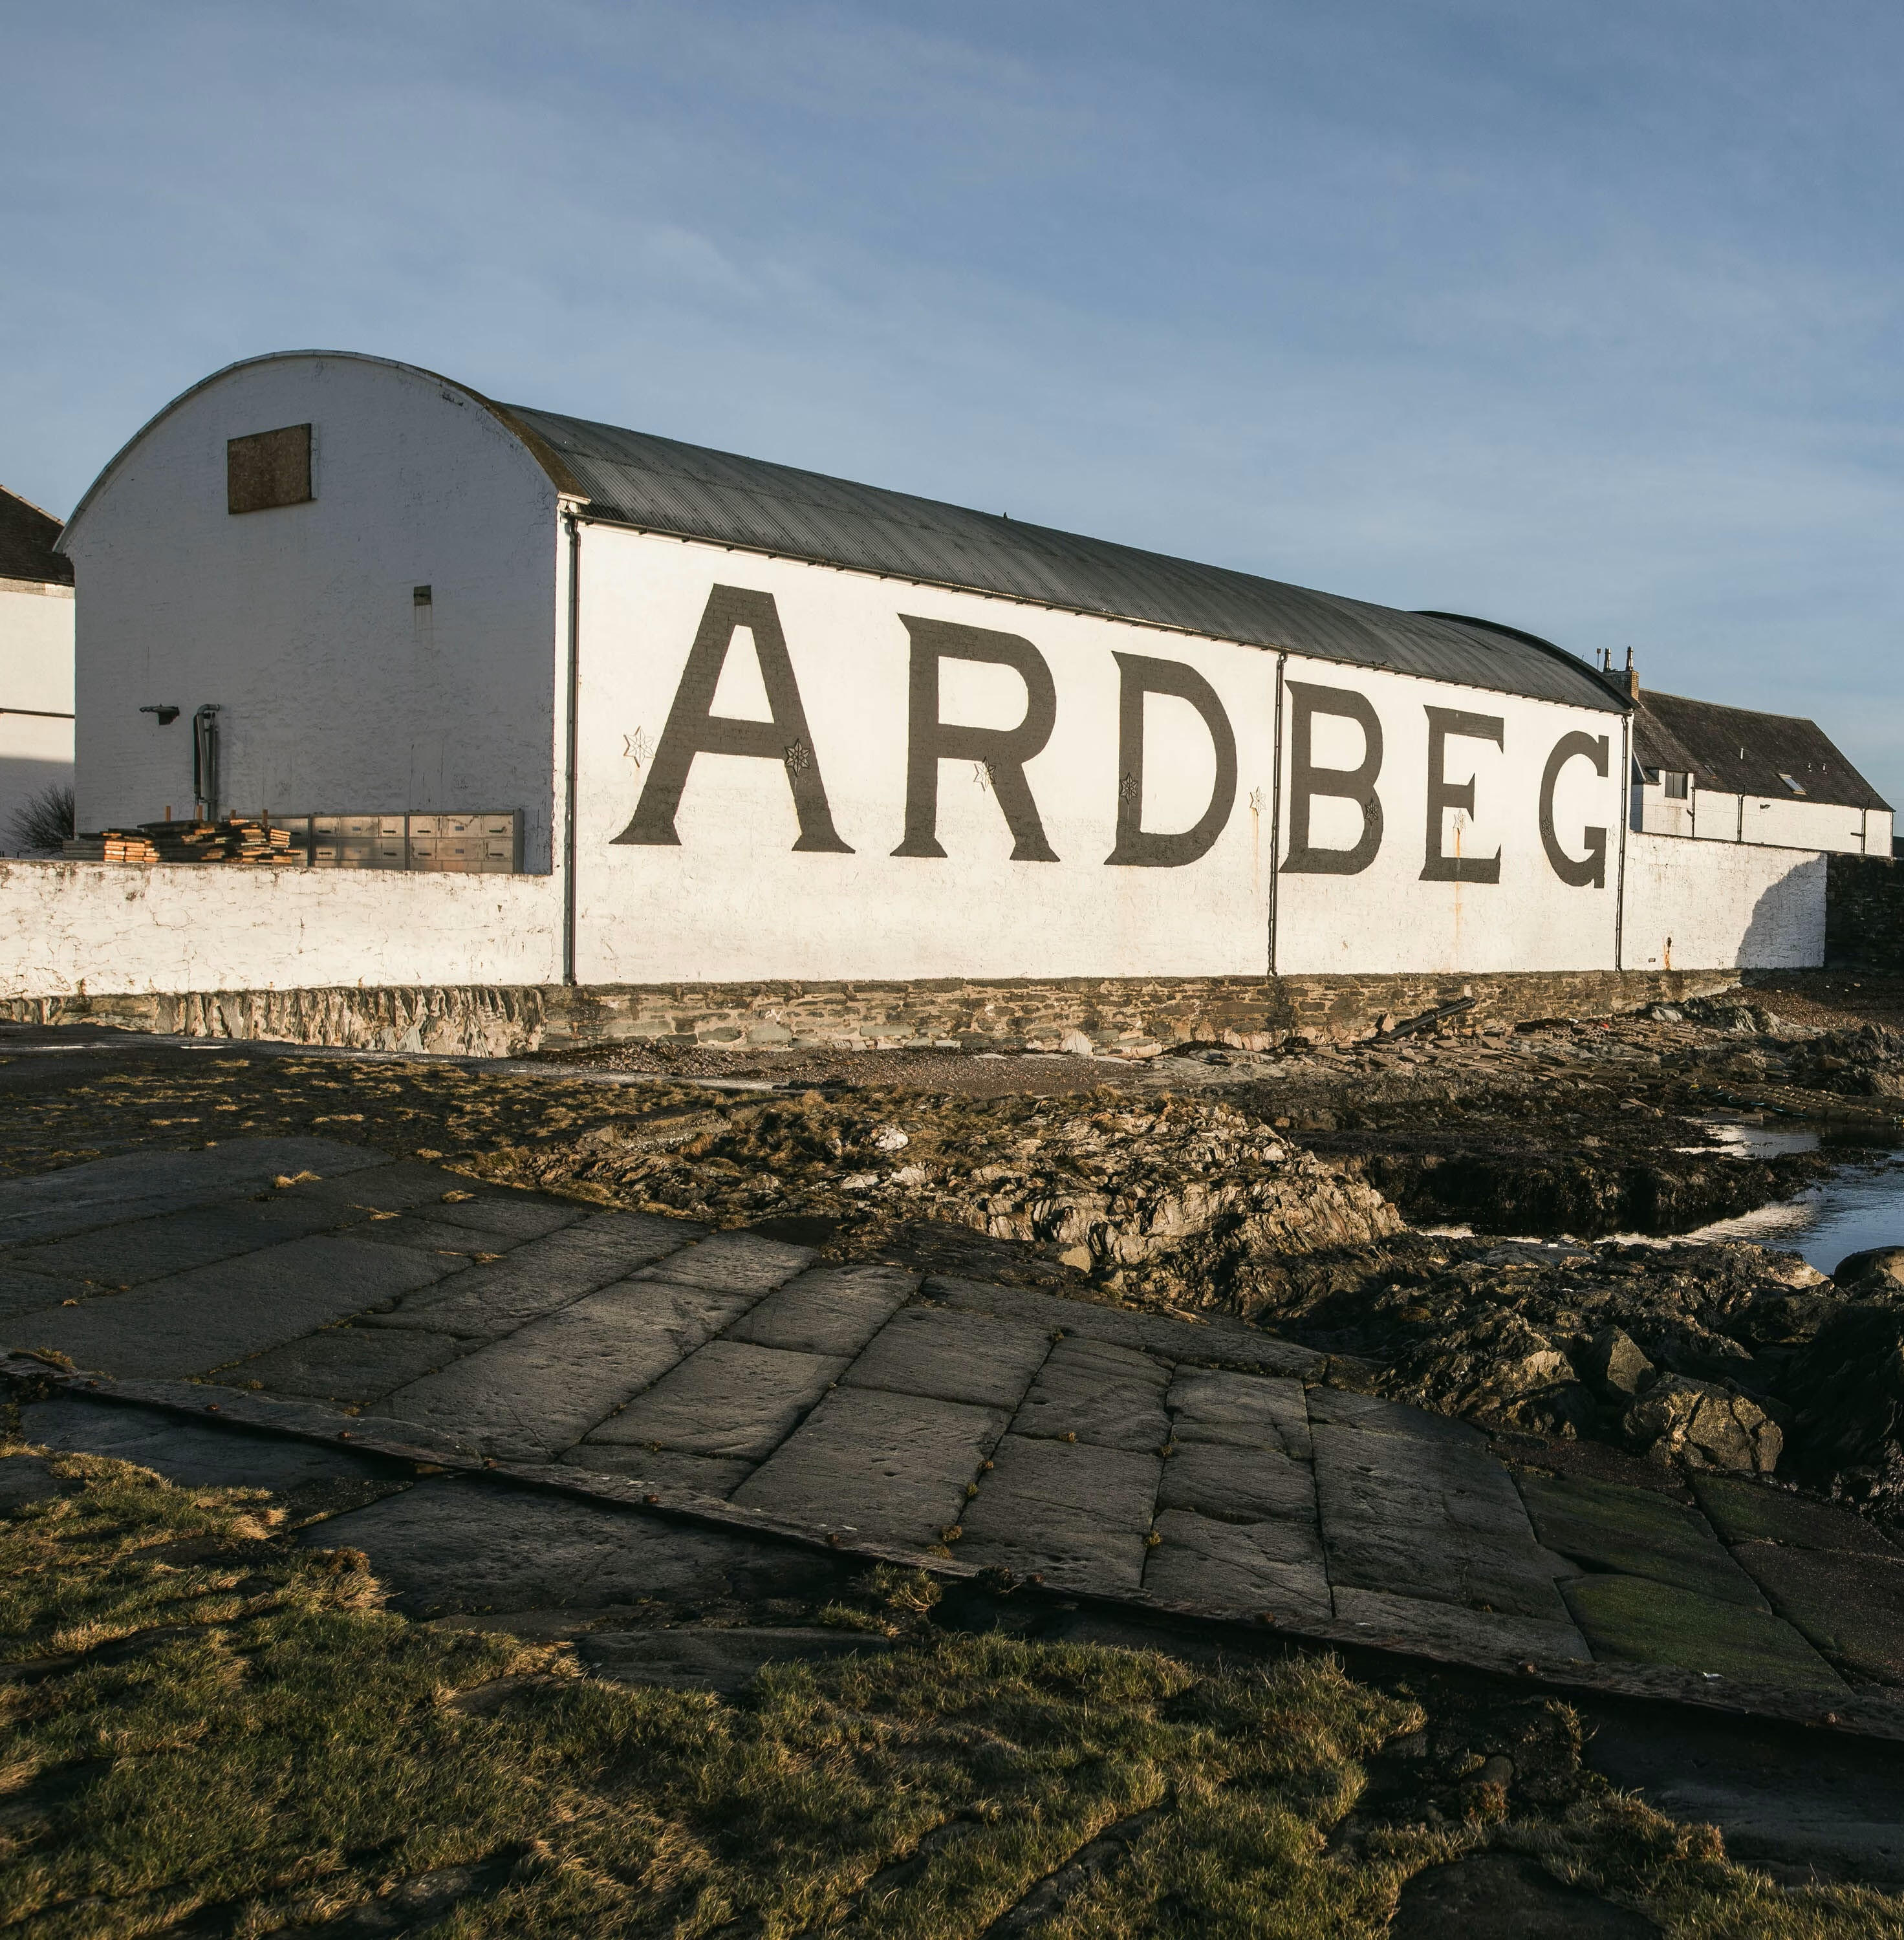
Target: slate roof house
[(1730, 774), (36, 661)]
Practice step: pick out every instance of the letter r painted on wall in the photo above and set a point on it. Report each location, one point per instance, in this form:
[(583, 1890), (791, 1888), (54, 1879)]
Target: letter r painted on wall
[(1307, 780), (693, 727), (1443, 794), (1138, 847), (1587, 872), (1002, 751)]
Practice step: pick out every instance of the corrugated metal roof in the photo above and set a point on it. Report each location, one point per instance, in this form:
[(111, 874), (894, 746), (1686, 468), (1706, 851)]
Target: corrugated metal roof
[(26, 538), (656, 484), (1735, 751)]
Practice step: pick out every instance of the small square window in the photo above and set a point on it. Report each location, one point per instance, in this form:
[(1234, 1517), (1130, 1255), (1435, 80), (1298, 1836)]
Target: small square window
[(1677, 783), (268, 469)]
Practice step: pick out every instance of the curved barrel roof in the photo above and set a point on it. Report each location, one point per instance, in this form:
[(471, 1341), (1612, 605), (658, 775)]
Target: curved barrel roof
[(655, 484)]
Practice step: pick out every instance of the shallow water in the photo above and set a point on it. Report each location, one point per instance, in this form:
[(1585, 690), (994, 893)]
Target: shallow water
[(1860, 1206)]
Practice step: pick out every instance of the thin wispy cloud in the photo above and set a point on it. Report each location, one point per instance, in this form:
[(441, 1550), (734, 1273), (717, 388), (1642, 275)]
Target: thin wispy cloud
[(1586, 319)]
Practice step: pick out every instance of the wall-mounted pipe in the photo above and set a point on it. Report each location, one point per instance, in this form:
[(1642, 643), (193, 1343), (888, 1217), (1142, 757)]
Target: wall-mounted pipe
[(572, 729)]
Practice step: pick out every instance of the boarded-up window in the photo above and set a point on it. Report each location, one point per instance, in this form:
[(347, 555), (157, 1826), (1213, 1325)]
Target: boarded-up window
[(269, 468)]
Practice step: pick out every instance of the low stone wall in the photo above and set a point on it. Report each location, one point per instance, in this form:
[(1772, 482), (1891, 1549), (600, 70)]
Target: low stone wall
[(1864, 914), (1112, 1014)]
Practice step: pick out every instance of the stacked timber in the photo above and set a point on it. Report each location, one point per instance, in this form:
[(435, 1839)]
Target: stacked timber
[(239, 839)]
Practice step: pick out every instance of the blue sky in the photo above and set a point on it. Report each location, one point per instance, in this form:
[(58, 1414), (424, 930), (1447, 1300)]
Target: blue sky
[(1583, 317)]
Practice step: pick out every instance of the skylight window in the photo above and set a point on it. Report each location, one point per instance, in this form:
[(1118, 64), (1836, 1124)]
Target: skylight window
[(1795, 787)]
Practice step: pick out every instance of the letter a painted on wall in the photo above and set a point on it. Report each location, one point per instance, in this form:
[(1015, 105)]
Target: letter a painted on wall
[(1587, 872), (694, 729), (1138, 847), (1306, 781), (1003, 751)]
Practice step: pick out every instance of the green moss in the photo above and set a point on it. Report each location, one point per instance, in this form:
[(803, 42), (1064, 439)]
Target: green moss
[(1639, 1621), (1634, 1533), (202, 1722)]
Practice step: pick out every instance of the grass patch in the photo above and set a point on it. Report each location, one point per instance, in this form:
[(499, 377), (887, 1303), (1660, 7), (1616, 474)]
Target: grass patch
[(210, 1730)]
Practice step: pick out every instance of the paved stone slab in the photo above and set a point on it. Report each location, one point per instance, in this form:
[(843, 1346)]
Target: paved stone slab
[(500, 1216), (1272, 1566), (27, 1479), (33, 1293), (1851, 1606), (541, 1276), (716, 1475), (1635, 1620), (1634, 1532), (352, 1366), (133, 1184), (723, 1661), (1092, 1391), (1751, 1512), (1230, 1343), (460, 1545), (427, 1235), (891, 1468), (405, 1184), (1076, 1513), (314, 1481), (827, 1310), (1239, 1411), (944, 1356), (540, 1389), (1441, 1519), (1241, 1485), (197, 1321), (735, 1262), (1371, 1412), (1420, 1623), (728, 1398), (133, 1251)]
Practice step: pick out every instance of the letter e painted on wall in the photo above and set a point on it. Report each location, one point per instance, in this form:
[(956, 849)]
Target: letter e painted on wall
[(1443, 794), (1356, 785), (1138, 847), (693, 728), (1587, 872)]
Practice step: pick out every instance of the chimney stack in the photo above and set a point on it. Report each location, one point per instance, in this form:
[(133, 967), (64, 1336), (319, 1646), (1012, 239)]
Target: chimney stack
[(1632, 677)]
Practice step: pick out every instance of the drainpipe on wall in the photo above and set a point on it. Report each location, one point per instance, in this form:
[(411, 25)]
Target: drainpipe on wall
[(1276, 811), (574, 524), (1619, 893)]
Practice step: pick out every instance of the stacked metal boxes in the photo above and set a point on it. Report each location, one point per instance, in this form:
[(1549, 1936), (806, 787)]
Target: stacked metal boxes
[(456, 844)]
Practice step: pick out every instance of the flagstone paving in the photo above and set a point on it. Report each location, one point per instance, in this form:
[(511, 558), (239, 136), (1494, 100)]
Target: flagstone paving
[(1200, 1468)]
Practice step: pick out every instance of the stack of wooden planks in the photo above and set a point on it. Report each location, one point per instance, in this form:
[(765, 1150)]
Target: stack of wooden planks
[(239, 838)]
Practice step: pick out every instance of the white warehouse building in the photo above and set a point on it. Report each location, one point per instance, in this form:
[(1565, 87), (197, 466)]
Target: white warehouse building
[(749, 722)]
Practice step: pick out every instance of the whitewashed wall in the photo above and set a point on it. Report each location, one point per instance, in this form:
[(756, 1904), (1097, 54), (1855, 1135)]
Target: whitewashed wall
[(1389, 915), (1711, 905), (69, 926), (734, 899), (36, 672), (733, 896), (1784, 822), (338, 694)]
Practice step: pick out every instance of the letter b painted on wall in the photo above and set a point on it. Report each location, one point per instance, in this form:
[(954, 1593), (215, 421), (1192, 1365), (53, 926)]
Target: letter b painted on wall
[(1308, 780)]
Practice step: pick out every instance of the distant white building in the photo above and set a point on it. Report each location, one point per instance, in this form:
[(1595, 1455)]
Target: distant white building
[(36, 661), (1728, 774)]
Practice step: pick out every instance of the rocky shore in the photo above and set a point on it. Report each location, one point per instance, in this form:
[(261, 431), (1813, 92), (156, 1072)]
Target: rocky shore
[(1291, 1188)]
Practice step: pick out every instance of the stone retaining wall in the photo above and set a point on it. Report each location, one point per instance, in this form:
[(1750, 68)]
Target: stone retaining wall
[(1082, 1013), (1864, 914)]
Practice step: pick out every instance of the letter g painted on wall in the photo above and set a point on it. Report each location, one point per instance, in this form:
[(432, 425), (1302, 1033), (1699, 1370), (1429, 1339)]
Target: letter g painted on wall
[(1307, 780), (1587, 872)]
